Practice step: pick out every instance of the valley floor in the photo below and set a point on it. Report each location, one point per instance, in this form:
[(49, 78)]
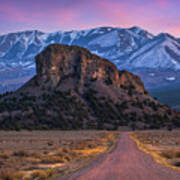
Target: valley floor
[(126, 162), (90, 155), (40, 155)]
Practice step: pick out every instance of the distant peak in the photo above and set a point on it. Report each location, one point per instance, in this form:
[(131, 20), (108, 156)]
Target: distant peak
[(26, 32), (136, 29), (164, 36), (140, 31)]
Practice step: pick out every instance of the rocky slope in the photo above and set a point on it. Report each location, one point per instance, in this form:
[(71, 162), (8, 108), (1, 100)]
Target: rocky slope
[(74, 89)]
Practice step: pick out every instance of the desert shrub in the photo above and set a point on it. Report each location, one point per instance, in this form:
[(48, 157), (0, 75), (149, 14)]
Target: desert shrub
[(130, 92), (93, 79), (19, 175), (155, 98), (51, 172), (21, 153), (131, 87), (36, 155), (17, 127), (176, 121), (155, 126), (36, 83), (7, 175), (14, 99), (170, 154), (123, 86), (108, 81), (39, 175), (169, 112), (145, 102), (43, 88), (170, 128), (167, 154), (51, 159), (177, 164), (153, 106), (50, 143), (4, 155), (133, 126), (122, 106), (145, 127), (177, 154), (139, 104)]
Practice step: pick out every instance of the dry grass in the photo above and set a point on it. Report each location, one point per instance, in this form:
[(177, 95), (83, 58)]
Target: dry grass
[(6, 175), (170, 154), (38, 155), (11, 175), (163, 145), (39, 175), (51, 159), (42, 174), (4, 155)]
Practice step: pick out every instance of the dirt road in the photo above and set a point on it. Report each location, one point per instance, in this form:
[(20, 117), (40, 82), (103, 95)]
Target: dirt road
[(126, 162)]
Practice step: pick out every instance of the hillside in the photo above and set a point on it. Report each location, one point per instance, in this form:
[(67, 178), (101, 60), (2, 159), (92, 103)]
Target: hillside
[(74, 89)]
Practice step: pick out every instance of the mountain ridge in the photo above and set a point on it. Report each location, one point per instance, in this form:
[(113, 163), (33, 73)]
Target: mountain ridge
[(120, 45)]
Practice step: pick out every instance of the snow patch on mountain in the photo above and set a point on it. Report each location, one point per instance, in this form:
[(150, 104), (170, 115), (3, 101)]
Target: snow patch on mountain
[(170, 78), (73, 36), (106, 40), (152, 74), (160, 52)]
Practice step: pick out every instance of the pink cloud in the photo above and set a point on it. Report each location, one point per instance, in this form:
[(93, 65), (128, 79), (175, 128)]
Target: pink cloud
[(11, 13), (163, 3), (58, 16), (175, 31), (155, 15)]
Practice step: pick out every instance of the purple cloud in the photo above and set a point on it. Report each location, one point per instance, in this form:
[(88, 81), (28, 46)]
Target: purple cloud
[(51, 15)]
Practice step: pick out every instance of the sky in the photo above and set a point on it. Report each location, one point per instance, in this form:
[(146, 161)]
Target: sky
[(156, 16)]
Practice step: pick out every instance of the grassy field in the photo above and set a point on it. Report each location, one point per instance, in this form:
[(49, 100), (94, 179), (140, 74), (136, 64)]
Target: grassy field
[(163, 145), (42, 155)]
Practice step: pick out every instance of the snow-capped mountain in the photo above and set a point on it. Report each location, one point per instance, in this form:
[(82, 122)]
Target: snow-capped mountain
[(132, 48), (19, 49), (162, 52)]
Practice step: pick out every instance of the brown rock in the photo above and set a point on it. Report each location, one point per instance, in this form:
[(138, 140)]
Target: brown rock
[(57, 62)]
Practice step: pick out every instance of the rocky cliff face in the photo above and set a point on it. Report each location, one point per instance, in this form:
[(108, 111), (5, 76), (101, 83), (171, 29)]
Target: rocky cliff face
[(58, 62), (74, 89), (128, 79)]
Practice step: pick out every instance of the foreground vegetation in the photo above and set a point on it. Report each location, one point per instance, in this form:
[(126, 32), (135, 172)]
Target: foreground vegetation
[(163, 145), (65, 111), (40, 155)]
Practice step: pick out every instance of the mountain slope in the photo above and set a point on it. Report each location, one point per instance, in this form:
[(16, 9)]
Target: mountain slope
[(74, 89), (20, 47), (133, 48), (162, 52)]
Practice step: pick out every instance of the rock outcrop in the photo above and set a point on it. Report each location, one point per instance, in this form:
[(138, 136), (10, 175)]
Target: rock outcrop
[(58, 62), (128, 79), (74, 89)]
